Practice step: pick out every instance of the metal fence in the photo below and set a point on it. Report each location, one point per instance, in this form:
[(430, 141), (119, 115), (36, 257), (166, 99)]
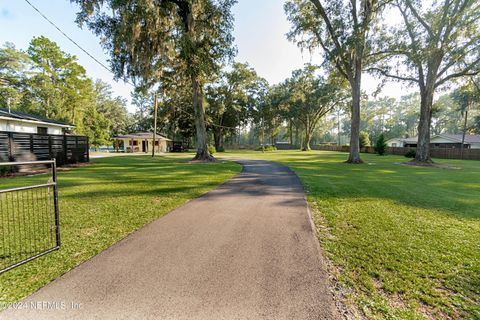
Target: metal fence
[(29, 219), (66, 149)]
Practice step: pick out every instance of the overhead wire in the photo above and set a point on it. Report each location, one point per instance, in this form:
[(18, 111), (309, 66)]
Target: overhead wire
[(98, 61)]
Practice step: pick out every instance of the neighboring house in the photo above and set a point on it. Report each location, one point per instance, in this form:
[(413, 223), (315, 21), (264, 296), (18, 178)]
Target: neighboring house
[(27, 137), (14, 121), (142, 142), (439, 141)]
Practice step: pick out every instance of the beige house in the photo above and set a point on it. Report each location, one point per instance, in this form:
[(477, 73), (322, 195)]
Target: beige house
[(142, 142)]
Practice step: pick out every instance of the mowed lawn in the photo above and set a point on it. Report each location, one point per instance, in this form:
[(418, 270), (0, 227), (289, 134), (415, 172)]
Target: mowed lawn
[(403, 242), (102, 203)]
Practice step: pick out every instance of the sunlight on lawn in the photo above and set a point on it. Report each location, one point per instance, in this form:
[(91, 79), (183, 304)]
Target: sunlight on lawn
[(402, 241), (102, 203)]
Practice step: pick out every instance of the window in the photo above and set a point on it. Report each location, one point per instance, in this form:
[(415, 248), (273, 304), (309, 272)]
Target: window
[(394, 144), (42, 130)]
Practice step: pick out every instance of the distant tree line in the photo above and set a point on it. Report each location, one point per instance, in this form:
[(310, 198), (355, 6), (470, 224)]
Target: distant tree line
[(46, 81)]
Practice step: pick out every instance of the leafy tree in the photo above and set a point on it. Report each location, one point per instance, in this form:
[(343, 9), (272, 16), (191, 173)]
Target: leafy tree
[(446, 115), (48, 81), (380, 145), (364, 139), (13, 75), (231, 100), (112, 108), (437, 42), (465, 97), (310, 98), (148, 37), (143, 116), (96, 127), (344, 30), (60, 88)]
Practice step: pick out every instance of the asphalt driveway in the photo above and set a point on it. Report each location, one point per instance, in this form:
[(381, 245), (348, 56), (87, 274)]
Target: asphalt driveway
[(243, 251)]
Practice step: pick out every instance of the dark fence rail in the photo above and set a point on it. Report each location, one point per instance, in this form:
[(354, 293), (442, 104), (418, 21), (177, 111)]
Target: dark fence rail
[(29, 219), (66, 149), (442, 153)]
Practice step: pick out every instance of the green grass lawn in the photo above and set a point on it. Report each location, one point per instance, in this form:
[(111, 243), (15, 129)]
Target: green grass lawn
[(102, 203), (402, 242)]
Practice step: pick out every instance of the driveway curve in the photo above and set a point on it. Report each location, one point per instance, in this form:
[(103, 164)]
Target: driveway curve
[(245, 250)]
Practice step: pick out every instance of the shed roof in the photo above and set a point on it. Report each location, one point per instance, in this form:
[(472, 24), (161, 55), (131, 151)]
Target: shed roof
[(142, 135)]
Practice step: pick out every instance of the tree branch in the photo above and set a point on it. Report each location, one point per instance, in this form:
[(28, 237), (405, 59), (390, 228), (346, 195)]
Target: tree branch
[(465, 72), (386, 74), (419, 18)]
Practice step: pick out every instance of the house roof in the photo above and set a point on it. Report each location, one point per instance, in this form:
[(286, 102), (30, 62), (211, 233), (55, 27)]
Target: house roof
[(469, 138), (142, 135), (455, 138), (406, 140), (26, 117)]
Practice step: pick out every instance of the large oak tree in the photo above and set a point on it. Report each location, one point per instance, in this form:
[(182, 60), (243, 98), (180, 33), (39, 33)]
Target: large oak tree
[(148, 37), (437, 42), (343, 29)]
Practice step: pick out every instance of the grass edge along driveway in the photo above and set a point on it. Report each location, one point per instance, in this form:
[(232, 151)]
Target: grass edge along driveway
[(403, 242), (102, 203)]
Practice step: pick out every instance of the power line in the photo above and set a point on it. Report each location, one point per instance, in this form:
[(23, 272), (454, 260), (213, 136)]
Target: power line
[(95, 59), (73, 41)]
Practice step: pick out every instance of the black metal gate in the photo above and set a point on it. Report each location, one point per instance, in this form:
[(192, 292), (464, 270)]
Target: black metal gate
[(29, 219)]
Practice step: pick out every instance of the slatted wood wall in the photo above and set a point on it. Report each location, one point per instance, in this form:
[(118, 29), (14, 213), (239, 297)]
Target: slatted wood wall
[(66, 149)]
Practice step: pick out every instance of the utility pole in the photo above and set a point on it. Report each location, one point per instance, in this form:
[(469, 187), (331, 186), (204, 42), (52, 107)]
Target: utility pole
[(263, 135), (338, 127), (155, 107)]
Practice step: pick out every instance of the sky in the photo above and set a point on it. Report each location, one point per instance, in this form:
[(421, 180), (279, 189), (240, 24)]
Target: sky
[(260, 28)]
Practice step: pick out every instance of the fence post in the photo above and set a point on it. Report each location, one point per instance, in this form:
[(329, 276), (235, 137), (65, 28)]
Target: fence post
[(10, 146), (31, 144), (65, 151), (55, 202), (50, 147)]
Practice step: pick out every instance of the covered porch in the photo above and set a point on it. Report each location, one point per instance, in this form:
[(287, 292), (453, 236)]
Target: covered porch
[(142, 142)]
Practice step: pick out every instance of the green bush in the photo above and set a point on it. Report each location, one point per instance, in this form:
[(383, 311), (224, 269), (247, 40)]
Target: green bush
[(6, 170), (411, 154), (381, 146), (267, 148), (211, 149), (364, 139), (221, 149)]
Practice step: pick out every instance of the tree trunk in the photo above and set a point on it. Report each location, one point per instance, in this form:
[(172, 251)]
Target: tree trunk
[(202, 148), (422, 155), (354, 156), (296, 136), (218, 138), (291, 132), (306, 142), (464, 133)]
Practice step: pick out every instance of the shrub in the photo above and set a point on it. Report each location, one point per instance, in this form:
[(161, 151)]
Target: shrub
[(381, 146), (6, 170), (211, 149), (364, 139), (410, 154), (221, 149), (267, 148)]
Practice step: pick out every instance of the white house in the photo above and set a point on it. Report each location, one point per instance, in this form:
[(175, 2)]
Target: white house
[(142, 142), (439, 141), (14, 121)]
